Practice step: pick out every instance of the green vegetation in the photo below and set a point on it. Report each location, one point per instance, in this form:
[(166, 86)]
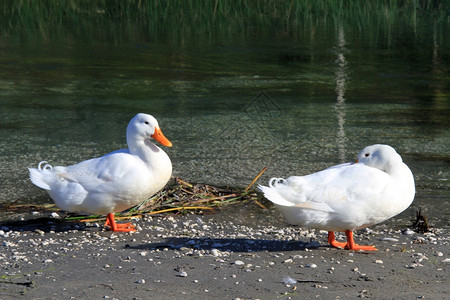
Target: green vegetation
[(166, 20), (178, 196), (181, 196)]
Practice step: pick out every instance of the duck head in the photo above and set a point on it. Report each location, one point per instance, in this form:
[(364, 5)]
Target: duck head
[(382, 157), (143, 127)]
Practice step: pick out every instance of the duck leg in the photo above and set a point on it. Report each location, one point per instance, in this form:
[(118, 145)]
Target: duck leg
[(352, 246), (332, 241), (113, 226)]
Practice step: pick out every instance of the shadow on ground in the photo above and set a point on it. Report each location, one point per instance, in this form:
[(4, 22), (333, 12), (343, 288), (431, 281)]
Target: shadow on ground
[(228, 244), (44, 224)]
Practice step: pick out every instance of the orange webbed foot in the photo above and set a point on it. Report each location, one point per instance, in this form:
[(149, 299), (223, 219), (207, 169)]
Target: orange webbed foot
[(350, 245), (125, 227), (113, 226), (357, 247), (339, 245)]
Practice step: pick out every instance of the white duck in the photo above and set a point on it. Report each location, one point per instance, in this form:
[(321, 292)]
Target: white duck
[(115, 181), (346, 197)]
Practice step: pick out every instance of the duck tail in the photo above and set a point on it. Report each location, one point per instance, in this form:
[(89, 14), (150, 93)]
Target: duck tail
[(37, 176), (277, 191)]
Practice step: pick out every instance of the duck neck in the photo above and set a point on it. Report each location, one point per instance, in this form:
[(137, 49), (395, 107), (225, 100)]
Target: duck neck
[(146, 150), (393, 166), (156, 160), (401, 172)]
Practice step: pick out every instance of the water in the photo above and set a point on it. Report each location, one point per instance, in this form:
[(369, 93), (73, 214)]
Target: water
[(296, 100)]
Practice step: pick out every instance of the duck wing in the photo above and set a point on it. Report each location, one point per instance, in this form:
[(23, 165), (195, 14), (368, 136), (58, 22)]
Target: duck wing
[(114, 181), (115, 173), (327, 189)]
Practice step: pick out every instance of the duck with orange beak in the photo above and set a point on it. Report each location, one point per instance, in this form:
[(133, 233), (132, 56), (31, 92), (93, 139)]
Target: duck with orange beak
[(113, 182)]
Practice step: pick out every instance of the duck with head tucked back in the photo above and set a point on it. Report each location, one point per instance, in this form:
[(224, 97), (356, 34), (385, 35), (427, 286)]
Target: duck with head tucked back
[(346, 197), (113, 182)]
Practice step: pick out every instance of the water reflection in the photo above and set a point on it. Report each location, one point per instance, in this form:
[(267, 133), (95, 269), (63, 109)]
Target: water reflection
[(67, 99), (341, 77)]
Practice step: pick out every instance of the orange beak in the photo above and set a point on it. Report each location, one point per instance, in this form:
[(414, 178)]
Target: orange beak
[(159, 136), (356, 161)]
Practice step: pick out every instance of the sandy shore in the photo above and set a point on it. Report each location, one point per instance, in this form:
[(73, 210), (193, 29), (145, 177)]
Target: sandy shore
[(208, 256)]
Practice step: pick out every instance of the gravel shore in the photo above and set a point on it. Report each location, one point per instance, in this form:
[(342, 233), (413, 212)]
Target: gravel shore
[(230, 254)]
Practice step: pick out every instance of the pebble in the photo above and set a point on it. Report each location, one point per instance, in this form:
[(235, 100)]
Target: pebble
[(413, 266), (239, 263), (313, 244), (55, 215), (22, 248), (408, 232), (9, 244), (38, 231), (289, 280), (182, 274), (389, 239)]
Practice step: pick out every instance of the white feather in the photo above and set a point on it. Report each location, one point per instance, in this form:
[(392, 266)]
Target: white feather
[(347, 196), (113, 182)]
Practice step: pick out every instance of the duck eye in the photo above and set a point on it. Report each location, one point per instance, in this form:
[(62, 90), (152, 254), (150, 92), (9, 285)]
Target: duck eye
[(146, 122), (366, 155)]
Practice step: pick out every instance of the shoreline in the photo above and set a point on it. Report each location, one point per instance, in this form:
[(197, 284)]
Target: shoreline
[(250, 256)]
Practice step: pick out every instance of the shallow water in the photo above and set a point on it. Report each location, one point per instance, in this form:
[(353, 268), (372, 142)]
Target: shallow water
[(296, 101)]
